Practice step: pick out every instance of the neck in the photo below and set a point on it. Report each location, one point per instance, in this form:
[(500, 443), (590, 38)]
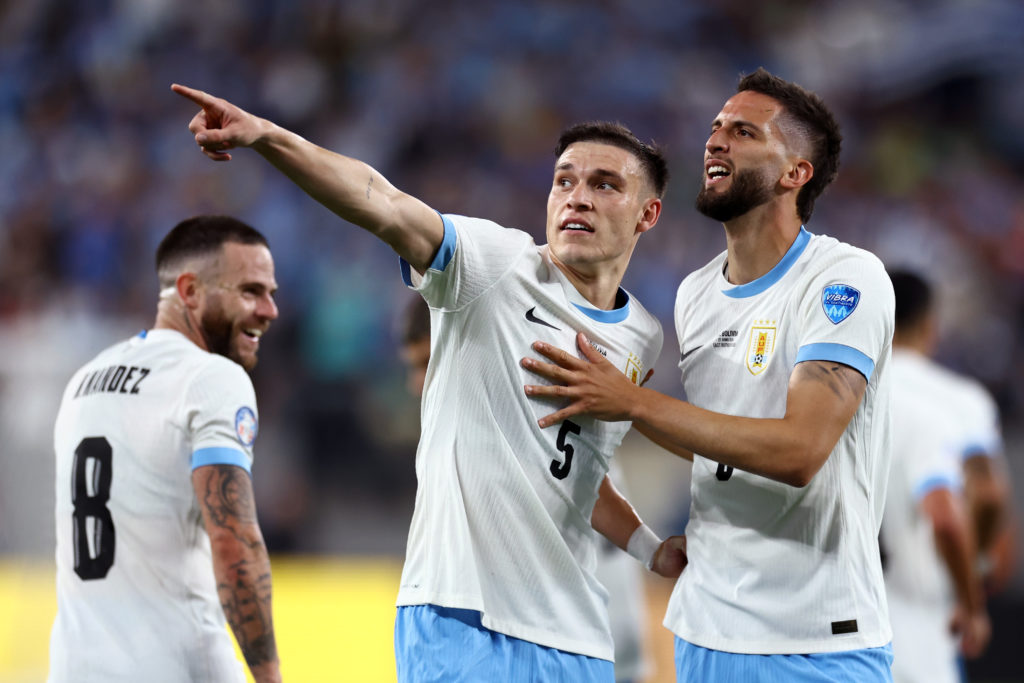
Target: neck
[(757, 241), (173, 315), (600, 288)]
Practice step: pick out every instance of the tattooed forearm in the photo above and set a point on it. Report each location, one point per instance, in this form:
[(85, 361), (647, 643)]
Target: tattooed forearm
[(227, 500), (368, 186), (245, 595)]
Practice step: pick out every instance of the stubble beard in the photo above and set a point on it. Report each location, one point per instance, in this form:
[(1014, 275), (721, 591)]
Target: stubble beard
[(750, 189), (219, 333)]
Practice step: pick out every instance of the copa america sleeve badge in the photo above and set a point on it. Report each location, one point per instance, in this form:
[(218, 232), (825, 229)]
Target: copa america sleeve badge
[(839, 301), (246, 426)]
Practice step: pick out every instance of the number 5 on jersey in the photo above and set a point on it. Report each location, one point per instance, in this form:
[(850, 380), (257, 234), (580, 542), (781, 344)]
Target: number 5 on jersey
[(560, 470)]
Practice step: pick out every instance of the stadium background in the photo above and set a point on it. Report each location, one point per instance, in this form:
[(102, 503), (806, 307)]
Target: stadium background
[(459, 103)]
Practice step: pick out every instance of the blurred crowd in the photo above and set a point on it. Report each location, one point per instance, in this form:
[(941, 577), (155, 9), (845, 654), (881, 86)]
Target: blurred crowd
[(459, 103)]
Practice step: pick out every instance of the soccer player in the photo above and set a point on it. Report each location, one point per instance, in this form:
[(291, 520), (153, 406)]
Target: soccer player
[(498, 582), (619, 573), (157, 537), (930, 545), (784, 345)]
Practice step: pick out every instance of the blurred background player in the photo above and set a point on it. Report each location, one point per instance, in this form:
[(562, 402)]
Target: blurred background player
[(510, 594), (616, 570), (157, 537), (947, 500)]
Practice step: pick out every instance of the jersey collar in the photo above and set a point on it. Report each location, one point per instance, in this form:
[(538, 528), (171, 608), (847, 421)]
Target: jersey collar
[(762, 283)]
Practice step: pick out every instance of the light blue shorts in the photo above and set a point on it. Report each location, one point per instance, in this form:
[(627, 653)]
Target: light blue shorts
[(444, 644), (695, 664)]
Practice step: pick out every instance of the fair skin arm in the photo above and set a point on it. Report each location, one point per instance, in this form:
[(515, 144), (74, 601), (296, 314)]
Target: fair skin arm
[(954, 543), (241, 566), (821, 400), (348, 187), (615, 519)]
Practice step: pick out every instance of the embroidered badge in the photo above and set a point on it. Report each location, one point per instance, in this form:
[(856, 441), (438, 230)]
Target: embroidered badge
[(762, 343), (839, 301), (246, 426), (634, 369)]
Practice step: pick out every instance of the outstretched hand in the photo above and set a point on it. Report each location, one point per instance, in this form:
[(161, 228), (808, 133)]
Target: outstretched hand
[(670, 558), (220, 126), (592, 384)]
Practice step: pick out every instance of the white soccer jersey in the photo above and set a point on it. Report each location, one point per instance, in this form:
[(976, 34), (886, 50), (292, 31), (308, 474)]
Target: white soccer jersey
[(502, 517), (775, 569), (136, 596), (935, 417)]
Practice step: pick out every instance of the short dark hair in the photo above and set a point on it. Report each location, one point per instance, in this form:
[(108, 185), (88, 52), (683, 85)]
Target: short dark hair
[(415, 324), (651, 157), (201, 235), (816, 123), (913, 298)]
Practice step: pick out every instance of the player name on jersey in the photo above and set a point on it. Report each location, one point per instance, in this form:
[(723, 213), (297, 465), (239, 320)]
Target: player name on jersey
[(114, 379)]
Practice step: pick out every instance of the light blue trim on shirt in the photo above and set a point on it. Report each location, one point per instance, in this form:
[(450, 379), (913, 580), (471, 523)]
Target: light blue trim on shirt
[(143, 333), (935, 481), (775, 274), (616, 315), (441, 258), (976, 449), (221, 456), (840, 353)]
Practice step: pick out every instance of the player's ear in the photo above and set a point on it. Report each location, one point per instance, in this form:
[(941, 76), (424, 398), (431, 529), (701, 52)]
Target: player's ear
[(798, 174), (188, 286), (649, 215)]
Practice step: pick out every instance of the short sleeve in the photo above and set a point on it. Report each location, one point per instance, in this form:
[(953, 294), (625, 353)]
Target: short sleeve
[(933, 462), (474, 254), (847, 314), (223, 418)]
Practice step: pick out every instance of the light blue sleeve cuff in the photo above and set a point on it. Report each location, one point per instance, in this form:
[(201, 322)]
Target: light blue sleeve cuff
[(441, 258), (936, 481), (221, 456), (840, 353)]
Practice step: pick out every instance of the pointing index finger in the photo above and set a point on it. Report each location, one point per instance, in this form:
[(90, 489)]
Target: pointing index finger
[(198, 96)]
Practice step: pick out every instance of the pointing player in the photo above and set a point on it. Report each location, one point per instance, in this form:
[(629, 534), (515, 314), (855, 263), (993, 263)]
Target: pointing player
[(498, 582), (157, 538), (785, 340)]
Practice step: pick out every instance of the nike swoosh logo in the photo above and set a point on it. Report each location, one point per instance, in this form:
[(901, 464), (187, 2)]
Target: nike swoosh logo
[(534, 319), (684, 355)]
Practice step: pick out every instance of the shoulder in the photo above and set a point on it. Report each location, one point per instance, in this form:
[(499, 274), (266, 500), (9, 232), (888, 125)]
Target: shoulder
[(827, 252), (704, 277), (485, 229)]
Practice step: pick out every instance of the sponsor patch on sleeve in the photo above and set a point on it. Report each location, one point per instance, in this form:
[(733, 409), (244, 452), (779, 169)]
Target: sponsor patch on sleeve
[(839, 301), (246, 426)]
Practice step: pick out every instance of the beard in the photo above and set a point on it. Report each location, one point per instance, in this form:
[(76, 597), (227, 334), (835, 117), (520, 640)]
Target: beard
[(218, 333), (750, 189)]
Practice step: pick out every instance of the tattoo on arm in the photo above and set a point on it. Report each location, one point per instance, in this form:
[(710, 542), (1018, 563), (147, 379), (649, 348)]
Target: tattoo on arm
[(245, 597), (368, 186), (843, 381), (228, 502), (243, 577)]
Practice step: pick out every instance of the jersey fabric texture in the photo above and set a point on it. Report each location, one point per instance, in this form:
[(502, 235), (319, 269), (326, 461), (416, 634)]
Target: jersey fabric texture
[(136, 596), (936, 418), (440, 644), (776, 569), (502, 516)]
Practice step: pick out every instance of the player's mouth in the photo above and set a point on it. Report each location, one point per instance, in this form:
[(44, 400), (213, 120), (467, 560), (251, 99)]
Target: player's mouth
[(715, 172), (575, 225), (252, 335)]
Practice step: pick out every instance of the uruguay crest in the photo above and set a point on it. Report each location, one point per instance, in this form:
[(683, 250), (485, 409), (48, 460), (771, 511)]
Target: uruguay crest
[(762, 343), (246, 426), (633, 369), (839, 301)]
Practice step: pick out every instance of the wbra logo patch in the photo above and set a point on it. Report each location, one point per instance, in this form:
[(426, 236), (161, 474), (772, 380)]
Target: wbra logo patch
[(839, 301), (246, 426)]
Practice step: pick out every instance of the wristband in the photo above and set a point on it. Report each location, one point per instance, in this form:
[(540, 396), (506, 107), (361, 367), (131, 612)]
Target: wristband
[(642, 545)]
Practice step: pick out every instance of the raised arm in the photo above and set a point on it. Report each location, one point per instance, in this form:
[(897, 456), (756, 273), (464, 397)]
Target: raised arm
[(821, 400), (240, 564), (348, 187)]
